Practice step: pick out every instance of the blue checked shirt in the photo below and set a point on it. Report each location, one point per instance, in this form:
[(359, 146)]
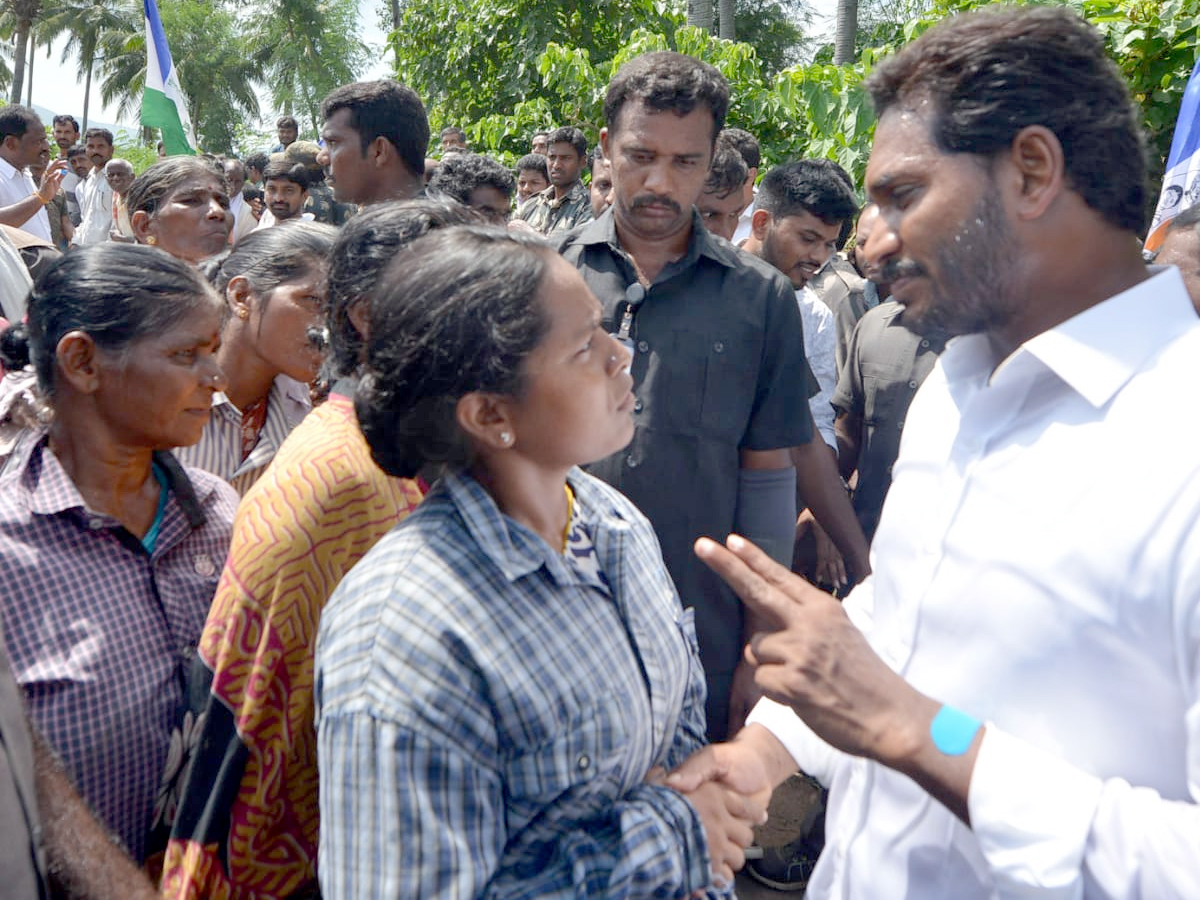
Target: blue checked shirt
[(487, 713)]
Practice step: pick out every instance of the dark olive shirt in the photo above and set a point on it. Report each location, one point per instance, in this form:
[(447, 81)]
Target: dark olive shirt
[(718, 367), (885, 364)]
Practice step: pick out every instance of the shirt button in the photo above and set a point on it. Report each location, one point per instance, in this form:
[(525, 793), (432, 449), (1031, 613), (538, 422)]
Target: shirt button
[(912, 385), (900, 425), (95, 522), (643, 347), (719, 347), (638, 406), (584, 762), (631, 462), (924, 342)]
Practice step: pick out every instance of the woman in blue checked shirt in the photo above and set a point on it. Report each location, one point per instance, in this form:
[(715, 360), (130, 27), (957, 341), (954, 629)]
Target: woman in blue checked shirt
[(504, 678)]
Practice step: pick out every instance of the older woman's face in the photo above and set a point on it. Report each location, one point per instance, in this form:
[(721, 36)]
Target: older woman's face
[(193, 221), (158, 393)]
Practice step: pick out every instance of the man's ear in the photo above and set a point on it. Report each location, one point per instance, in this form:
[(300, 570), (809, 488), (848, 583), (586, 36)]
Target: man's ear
[(380, 151), (77, 363), (760, 222), (485, 418), (140, 223), (604, 142), (1039, 168)]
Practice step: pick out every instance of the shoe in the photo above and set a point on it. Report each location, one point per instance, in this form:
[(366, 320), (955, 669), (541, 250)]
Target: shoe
[(789, 867)]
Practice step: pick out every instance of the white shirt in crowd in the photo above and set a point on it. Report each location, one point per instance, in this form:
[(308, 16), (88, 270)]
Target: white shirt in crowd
[(1037, 566), (95, 205), (16, 185), (820, 346)]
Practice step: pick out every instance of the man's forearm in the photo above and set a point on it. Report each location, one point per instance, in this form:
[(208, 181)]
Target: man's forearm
[(83, 859), (16, 215), (820, 485)]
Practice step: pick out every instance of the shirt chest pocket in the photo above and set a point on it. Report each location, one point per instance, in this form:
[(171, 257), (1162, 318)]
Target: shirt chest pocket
[(713, 383), (581, 760)]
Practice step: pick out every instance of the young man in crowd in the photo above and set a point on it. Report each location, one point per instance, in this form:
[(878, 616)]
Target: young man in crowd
[(711, 453), (286, 189), (95, 194), (600, 186), (532, 177), (374, 138), (566, 203), (288, 130), (747, 145), (1008, 706), (478, 182), (720, 203)]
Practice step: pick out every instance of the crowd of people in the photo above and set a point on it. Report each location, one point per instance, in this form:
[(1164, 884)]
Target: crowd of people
[(376, 525)]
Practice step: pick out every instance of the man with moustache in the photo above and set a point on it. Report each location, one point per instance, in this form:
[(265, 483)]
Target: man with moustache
[(22, 201), (95, 194), (66, 135), (1010, 705), (285, 190), (718, 362)]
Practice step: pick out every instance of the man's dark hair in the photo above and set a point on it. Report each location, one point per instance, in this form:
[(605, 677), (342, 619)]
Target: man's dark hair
[(808, 185), (834, 168), (387, 109), (15, 120), (237, 163), (258, 161), (991, 73), (284, 170), (367, 243), (668, 82), (568, 135), (65, 119), (72, 152), (100, 133), (534, 162), (746, 144), (727, 172), (287, 122), (1189, 218), (453, 129), (461, 173)]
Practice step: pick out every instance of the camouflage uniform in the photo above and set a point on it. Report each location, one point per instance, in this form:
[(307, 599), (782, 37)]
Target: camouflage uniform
[(549, 216)]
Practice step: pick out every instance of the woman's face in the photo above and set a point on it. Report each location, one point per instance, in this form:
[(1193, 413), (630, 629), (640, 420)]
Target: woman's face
[(193, 221), (279, 322), (158, 392), (577, 406)]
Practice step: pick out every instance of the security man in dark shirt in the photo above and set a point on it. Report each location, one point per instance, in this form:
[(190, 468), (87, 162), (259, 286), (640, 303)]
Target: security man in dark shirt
[(719, 372)]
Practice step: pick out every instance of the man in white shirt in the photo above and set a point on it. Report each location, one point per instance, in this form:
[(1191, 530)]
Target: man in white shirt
[(22, 201), (1034, 568), (95, 195)]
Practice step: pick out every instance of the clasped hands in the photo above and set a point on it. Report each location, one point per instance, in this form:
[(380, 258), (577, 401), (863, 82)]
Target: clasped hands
[(814, 660)]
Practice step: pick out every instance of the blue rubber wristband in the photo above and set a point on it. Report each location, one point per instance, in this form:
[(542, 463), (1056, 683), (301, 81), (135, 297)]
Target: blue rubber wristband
[(952, 731)]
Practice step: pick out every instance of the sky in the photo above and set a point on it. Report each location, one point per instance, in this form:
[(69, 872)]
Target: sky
[(56, 87)]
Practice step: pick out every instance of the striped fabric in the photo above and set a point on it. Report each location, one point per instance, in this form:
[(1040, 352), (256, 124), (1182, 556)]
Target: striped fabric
[(247, 826), (488, 712), (100, 632), (220, 448)]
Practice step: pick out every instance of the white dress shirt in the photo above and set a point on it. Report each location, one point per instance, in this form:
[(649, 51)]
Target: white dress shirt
[(1037, 566), (16, 185), (95, 205), (744, 223), (820, 346)]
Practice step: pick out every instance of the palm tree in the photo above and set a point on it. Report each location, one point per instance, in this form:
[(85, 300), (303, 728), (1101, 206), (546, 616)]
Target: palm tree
[(846, 32), (728, 30), (23, 14), (86, 22), (700, 14)]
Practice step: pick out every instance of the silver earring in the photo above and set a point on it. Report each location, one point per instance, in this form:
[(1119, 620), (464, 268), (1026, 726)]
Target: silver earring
[(505, 438)]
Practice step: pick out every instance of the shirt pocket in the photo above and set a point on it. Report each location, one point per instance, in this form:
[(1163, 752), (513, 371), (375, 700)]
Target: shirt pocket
[(582, 759), (714, 388), (66, 654)]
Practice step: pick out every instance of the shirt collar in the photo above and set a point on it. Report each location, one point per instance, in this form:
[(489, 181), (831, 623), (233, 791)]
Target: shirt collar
[(1097, 351), (513, 548), (8, 171), (52, 491), (700, 243)]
